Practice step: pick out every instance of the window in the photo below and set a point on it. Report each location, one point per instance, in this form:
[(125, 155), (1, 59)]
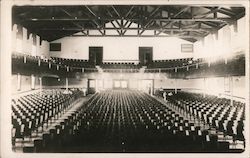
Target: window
[(55, 47)]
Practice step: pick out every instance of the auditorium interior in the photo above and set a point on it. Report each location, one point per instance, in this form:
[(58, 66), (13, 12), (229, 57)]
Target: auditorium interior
[(131, 78)]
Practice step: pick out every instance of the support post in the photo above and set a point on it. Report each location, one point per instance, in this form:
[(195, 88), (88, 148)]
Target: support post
[(33, 81), (231, 90), (24, 59), (40, 85), (18, 82), (49, 65), (67, 84), (175, 86), (204, 87)]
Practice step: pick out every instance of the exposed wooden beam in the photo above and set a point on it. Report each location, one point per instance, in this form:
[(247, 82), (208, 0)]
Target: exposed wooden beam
[(155, 11), (151, 15), (93, 19), (166, 35), (113, 7), (103, 32), (176, 15), (211, 11), (127, 27), (140, 32), (119, 24), (148, 24), (115, 28), (130, 28), (97, 25), (229, 11), (130, 10), (181, 11), (126, 23), (67, 13), (92, 12), (110, 14), (210, 24), (225, 13), (131, 19)]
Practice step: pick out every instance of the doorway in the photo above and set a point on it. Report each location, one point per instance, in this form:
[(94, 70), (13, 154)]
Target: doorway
[(147, 86)]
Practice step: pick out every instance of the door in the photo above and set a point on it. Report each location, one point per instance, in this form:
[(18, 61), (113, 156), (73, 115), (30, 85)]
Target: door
[(95, 55), (147, 86), (145, 55), (91, 86), (120, 84)]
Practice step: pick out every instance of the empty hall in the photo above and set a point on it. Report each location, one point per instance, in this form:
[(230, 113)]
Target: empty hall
[(128, 77)]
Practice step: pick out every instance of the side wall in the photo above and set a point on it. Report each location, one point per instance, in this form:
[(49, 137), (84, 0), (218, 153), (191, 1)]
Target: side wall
[(213, 86), (28, 43), (23, 83), (228, 40)]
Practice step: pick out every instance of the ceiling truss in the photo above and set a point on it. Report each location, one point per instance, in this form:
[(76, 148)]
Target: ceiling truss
[(187, 22)]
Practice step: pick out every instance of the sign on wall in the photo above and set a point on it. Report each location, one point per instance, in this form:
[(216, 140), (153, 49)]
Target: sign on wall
[(187, 48)]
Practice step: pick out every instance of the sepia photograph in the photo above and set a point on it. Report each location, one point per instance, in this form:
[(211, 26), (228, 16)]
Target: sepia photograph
[(130, 78)]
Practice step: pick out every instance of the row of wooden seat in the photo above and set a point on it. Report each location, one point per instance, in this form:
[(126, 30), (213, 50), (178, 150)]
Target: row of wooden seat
[(120, 66), (128, 121), (121, 70), (171, 63), (218, 113), (71, 62), (33, 110)]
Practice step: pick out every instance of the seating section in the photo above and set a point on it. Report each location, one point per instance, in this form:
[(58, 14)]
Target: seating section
[(172, 63), (72, 62), (29, 112), (201, 67), (128, 121), (187, 66), (63, 62), (219, 113), (120, 65)]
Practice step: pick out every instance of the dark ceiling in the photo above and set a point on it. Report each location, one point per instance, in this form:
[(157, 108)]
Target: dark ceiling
[(186, 22)]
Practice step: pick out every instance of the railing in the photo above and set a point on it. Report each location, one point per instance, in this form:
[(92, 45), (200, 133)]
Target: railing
[(185, 64)]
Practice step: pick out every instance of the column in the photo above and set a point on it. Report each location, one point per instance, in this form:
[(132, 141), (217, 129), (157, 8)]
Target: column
[(204, 87), (33, 82), (175, 86), (231, 89), (25, 41), (18, 82), (40, 85), (67, 84)]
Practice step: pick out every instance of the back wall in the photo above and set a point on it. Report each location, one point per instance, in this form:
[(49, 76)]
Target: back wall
[(121, 48)]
